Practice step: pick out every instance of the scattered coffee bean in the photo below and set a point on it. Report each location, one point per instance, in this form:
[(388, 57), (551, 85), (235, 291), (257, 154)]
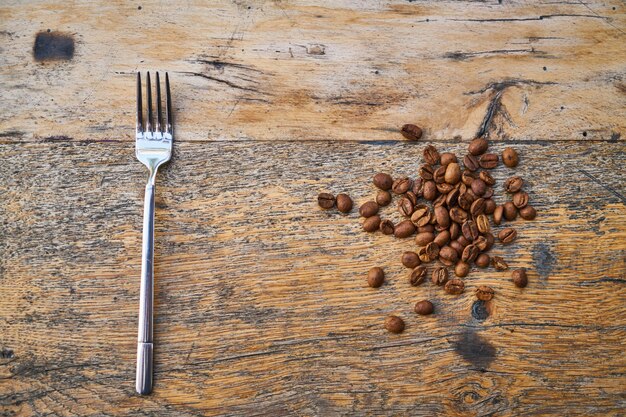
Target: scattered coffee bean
[(470, 253), (412, 197), (431, 156), (488, 161), (424, 238), (463, 241), (430, 190), (510, 211), (455, 231), (498, 213), (371, 224), (417, 275), (482, 223), (478, 146), (442, 217), (418, 187), (471, 163), (519, 278), (490, 241), (487, 178), (411, 132), (432, 251), (520, 199), (478, 187), (421, 215), (387, 227), (490, 206), (326, 200), (481, 243), (383, 198), (428, 228), (461, 269), (424, 308), (394, 324), (439, 176), (444, 188), (368, 209), (404, 229), (469, 230), (401, 185), (426, 172), (440, 276), (458, 215), (452, 173), (448, 256), (455, 286), (507, 235), (510, 158), (383, 181), (442, 238), (454, 244), (513, 184), (499, 263), (484, 293), (488, 193), (447, 158), (410, 259), (375, 277), (482, 260), (528, 213), (344, 203), (405, 207)]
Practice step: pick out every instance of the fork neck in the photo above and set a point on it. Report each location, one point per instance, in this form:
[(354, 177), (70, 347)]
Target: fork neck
[(152, 177)]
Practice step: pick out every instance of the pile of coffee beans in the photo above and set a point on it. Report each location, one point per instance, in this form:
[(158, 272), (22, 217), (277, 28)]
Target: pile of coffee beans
[(448, 209)]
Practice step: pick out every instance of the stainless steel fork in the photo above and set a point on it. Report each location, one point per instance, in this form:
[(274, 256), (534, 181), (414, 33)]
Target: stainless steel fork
[(153, 147)]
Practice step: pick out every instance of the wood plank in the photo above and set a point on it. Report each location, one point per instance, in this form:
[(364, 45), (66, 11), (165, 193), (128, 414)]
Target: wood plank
[(299, 70), (261, 306)]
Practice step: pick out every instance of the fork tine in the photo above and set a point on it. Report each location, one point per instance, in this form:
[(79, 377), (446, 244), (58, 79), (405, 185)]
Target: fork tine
[(158, 100), (168, 105), (149, 100), (139, 128)]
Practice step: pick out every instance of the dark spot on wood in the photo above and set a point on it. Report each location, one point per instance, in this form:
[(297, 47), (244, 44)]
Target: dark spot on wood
[(615, 136), (545, 68), (6, 353), (138, 7), (475, 349), (57, 138), (479, 310), (562, 107), (53, 46), (584, 134), (72, 291), (544, 259)]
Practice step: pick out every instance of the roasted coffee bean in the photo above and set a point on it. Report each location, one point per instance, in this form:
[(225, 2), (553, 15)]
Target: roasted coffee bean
[(430, 190), (471, 162), (482, 260), (375, 277), (458, 215), (453, 173), (439, 201), (424, 238), (455, 286), (481, 243), (421, 215), (424, 307), (507, 235), (426, 172), (498, 213), (442, 238), (383, 181), (498, 263), (509, 157), (467, 177), (482, 223), (428, 228), (440, 276), (371, 224), (454, 244), (490, 241), (424, 258), (510, 211), (488, 161), (519, 278), (417, 275), (387, 227), (463, 241), (466, 200), (461, 269), (452, 198), (401, 185), (520, 199), (394, 324), (487, 178), (439, 176), (442, 217), (344, 203), (383, 198), (528, 213), (448, 255), (411, 132), (448, 158), (470, 253), (440, 229), (405, 207), (368, 209), (484, 293), (488, 193), (469, 230), (410, 259), (490, 206), (326, 200), (513, 184), (455, 230), (432, 251), (444, 188), (479, 187), (404, 229), (478, 207), (418, 187), (431, 156), (478, 146)]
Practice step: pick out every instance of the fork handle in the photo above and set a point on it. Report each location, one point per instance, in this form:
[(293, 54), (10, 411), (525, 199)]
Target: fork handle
[(146, 297)]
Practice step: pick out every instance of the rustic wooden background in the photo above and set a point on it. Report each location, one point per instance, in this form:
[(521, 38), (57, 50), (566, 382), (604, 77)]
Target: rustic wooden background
[(261, 303)]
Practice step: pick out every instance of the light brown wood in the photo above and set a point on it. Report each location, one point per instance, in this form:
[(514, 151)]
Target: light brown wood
[(261, 301)]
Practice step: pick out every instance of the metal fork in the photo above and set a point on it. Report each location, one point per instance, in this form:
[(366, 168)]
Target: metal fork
[(153, 147)]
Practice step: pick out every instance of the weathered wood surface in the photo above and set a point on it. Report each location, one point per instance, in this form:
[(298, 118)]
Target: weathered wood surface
[(261, 303)]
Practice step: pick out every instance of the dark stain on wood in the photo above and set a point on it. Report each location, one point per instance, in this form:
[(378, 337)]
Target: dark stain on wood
[(53, 46), (6, 353), (544, 259), (475, 349), (480, 311)]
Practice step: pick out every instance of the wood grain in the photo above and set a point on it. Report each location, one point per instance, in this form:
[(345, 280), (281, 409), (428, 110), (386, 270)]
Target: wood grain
[(261, 302)]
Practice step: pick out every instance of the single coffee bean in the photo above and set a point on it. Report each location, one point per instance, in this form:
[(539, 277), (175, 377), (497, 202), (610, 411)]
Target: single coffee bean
[(488, 193), (453, 173), (404, 229), (471, 162), (448, 158), (439, 176), (487, 178), (466, 200), (424, 308), (498, 263), (431, 156), (442, 217), (424, 258), (528, 213), (498, 213), (405, 207), (326, 200), (368, 209), (344, 203), (458, 215), (432, 251), (484, 293), (394, 324), (513, 184), (401, 185), (455, 230), (411, 132), (479, 187), (519, 278), (482, 223), (452, 198), (444, 188), (520, 199), (412, 197), (383, 181), (463, 241), (510, 158), (490, 206), (461, 269), (454, 244), (417, 275), (428, 228), (418, 187), (371, 224), (383, 198), (481, 243), (375, 277), (507, 235), (424, 238), (440, 276), (442, 238), (478, 146), (467, 177), (410, 259), (490, 241), (470, 253), (478, 207), (488, 161), (455, 286), (387, 227), (448, 256), (430, 190), (510, 211), (426, 172), (469, 230), (482, 260), (439, 201), (421, 215)]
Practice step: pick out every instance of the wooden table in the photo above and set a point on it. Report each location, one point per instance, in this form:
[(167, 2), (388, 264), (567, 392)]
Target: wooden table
[(261, 302)]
